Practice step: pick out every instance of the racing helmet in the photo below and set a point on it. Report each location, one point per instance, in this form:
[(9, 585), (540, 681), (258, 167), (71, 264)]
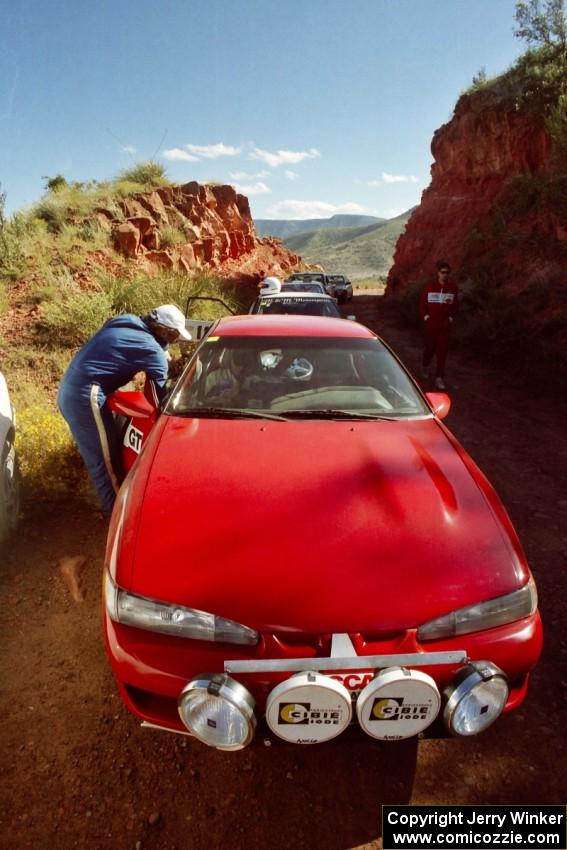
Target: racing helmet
[(270, 285)]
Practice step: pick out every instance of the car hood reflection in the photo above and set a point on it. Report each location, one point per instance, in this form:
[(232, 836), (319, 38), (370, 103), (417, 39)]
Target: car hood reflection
[(319, 526)]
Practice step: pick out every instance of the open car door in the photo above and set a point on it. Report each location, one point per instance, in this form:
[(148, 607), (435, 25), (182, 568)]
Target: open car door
[(136, 414)]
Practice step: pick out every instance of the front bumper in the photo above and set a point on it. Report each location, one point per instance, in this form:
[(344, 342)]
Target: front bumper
[(153, 669)]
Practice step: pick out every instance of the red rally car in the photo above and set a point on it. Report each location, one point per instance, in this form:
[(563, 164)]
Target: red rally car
[(301, 543)]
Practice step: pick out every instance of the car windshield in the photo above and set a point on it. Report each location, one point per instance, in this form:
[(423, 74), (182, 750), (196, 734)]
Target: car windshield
[(336, 278), (295, 377), (307, 276), (301, 306), (302, 286)]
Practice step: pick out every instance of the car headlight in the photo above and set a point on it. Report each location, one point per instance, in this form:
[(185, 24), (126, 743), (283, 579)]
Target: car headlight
[(475, 698), (218, 710), (156, 616), (483, 615)]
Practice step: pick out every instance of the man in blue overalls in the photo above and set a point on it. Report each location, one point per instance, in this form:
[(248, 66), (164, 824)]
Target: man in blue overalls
[(123, 346)]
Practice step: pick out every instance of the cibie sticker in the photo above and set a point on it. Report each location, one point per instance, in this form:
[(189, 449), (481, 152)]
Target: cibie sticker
[(398, 704), (133, 439), (308, 708)]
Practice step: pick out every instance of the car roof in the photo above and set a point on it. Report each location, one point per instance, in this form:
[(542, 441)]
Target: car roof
[(297, 296), (254, 324)]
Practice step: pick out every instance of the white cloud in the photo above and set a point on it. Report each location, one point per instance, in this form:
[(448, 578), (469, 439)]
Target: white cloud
[(175, 154), (213, 151), (254, 189), (243, 175), (283, 157), (311, 209), (393, 178), (291, 175), (129, 149), (398, 178)]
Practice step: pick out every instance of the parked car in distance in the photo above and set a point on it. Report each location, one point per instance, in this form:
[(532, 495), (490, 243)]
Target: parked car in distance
[(9, 471), (343, 287), (303, 286), (304, 303), (330, 287), (235, 598)]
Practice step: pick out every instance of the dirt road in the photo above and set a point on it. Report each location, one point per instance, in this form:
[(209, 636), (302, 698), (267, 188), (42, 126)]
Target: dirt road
[(78, 771)]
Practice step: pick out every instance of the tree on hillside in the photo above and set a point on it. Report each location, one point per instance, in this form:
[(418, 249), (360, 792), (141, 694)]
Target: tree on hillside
[(54, 184), (542, 23)]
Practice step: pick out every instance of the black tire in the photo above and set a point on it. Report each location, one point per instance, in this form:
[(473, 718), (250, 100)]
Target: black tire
[(10, 491)]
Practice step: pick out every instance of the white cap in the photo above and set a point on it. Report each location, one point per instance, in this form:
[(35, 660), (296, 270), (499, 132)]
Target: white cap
[(270, 284), (170, 316)]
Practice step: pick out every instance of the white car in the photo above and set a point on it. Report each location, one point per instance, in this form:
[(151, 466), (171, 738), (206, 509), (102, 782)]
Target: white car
[(303, 303), (9, 473)]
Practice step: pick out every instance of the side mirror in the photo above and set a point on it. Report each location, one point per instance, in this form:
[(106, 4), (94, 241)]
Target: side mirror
[(440, 404), (351, 318), (131, 404)]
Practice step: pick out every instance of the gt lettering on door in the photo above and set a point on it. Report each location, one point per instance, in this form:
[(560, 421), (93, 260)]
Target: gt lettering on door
[(133, 439)]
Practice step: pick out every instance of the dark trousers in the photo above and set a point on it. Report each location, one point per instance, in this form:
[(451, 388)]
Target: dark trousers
[(436, 345)]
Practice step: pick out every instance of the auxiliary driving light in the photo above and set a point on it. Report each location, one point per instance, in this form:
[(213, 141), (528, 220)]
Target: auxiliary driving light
[(308, 708), (398, 703), (475, 698), (218, 710)]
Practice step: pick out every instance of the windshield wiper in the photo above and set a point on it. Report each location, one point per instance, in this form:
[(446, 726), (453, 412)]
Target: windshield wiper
[(226, 413), (329, 413)]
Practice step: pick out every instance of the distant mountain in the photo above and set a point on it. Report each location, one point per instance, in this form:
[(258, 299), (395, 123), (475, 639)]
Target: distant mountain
[(282, 228), (359, 252)]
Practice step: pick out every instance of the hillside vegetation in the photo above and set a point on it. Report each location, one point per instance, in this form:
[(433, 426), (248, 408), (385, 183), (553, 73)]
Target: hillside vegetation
[(359, 252), (60, 279)]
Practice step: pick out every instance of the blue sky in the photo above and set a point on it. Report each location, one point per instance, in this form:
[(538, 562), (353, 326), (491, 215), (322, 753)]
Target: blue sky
[(311, 107)]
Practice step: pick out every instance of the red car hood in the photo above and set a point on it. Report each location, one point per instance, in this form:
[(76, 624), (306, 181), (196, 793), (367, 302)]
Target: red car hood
[(320, 526)]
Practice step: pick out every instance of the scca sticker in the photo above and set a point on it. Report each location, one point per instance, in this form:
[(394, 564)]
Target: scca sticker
[(354, 682), (133, 439), (303, 713)]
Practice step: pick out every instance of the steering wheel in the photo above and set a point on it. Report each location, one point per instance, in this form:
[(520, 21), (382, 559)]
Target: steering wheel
[(300, 369)]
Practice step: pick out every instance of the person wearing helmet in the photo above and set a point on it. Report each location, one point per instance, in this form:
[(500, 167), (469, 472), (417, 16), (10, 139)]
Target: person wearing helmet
[(124, 346), (228, 384), (270, 286)]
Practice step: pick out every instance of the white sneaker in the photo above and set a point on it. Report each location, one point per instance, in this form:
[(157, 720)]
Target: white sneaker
[(440, 384)]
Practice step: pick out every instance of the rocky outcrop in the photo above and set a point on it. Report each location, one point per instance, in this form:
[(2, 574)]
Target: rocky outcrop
[(192, 226), (487, 210)]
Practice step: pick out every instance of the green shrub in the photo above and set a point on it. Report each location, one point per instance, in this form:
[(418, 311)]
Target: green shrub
[(55, 184), (147, 174), (11, 257), (50, 463), (143, 292), (74, 318), (171, 236), (33, 371)]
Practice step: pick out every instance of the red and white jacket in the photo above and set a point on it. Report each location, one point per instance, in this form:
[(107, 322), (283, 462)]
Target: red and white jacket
[(439, 301)]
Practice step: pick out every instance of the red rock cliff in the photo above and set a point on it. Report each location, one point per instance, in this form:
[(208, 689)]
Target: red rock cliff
[(481, 211), (187, 227)]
